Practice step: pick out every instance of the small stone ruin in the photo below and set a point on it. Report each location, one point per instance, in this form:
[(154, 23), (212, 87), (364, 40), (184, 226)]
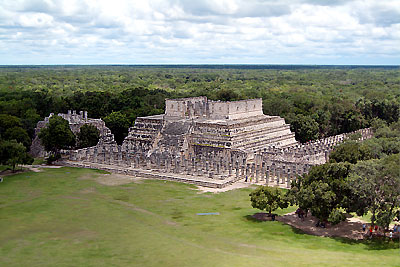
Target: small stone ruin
[(203, 142), (76, 121)]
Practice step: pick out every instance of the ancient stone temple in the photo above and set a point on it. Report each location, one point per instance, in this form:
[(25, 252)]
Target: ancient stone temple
[(200, 126), (203, 142)]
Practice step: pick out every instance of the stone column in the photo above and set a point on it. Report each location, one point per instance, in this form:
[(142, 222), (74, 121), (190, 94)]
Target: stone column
[(168, 164), (199, 169), (177, 166), (273, 173), (289, 180), (185, 165), (248, 171), (253, 172), (262, 171), (326, 156), (257, 173), (194, 167), (243, 167), (237, 170), (278, 177), (148, 163)]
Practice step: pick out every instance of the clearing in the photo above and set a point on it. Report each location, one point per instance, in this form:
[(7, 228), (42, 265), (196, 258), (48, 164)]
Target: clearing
[(73, 217)]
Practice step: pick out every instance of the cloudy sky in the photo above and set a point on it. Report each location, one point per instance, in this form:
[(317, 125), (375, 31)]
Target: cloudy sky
[(199, 32)]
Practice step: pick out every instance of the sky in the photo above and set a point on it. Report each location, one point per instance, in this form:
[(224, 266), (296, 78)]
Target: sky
[(323, 32)]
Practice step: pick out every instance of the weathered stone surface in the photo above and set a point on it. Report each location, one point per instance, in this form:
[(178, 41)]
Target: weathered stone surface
[(76, 121)]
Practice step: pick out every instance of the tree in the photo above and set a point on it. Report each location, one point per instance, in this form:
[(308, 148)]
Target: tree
[(227, 95), (13, 153), (376, 186), (8, 121), (350, 151), (88, 136), (323, 191), (18, 134), (56, 136), (304, 127), (29, 121), (268, 198), (118, 124)]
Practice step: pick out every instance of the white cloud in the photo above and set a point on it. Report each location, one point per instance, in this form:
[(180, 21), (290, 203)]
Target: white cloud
[(202, 31)]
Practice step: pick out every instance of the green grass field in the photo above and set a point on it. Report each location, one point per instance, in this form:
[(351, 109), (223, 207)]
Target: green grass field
[(57, 218)]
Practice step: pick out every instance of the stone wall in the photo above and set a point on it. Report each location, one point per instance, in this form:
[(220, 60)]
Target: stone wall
[(201, 107), (187, 107)]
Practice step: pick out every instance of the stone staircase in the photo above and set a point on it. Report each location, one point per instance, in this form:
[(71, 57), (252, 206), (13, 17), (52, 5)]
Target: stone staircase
[(250, 134), (143, 134)]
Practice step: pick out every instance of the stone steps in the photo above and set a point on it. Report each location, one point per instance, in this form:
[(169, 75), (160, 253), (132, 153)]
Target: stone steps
[(258, 145), (154, 174)]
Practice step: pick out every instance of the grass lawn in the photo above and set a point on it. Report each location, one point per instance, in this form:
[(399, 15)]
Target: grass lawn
[(59, 217)]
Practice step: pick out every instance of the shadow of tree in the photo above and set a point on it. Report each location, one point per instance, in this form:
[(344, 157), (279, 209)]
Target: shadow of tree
[(375, 243), (252, 219)]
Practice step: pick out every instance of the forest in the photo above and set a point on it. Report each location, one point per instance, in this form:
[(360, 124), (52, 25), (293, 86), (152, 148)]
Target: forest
[(317, 101)]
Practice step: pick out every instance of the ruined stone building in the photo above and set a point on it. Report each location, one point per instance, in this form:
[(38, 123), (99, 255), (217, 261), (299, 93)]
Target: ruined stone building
[(200, 126), (198, 141)]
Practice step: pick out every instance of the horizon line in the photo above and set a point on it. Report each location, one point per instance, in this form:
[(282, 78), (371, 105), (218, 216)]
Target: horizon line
[(195, 64)]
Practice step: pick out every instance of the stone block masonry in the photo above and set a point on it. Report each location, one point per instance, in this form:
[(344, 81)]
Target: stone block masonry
[(76, 121), (202, 142)]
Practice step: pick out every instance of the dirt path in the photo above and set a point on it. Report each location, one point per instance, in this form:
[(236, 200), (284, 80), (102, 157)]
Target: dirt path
[(351, 228), (111, 179), (233, 186)]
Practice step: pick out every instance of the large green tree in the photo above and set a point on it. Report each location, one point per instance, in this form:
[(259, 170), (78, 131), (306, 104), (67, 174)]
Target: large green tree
[(323, 191), (13, 153), (268, 198), (56, 136), (18, 134), (304, 127), (7, 122), (376, 186), (350, 151), (88, 136), (118, 124)]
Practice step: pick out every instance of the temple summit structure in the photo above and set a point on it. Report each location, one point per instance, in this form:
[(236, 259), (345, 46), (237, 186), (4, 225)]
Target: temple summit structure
[(200, 126)]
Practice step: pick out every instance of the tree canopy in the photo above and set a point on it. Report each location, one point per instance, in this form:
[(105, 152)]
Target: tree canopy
[(18, 134), (268, 198), (118, 124), (87, 136), (350, 151), (376, 185), (304, 127), (324, 190), (57, 135), (13, 154)]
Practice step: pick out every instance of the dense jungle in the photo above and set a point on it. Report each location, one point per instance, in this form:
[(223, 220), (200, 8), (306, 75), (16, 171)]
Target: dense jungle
[(317, 101)]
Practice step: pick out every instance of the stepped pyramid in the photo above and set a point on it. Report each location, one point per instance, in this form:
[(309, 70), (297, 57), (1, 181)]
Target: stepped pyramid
[(198, 125)]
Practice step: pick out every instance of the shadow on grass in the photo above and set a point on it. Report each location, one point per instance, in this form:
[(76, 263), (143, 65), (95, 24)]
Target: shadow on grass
[(376, 243), (252, 219)]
